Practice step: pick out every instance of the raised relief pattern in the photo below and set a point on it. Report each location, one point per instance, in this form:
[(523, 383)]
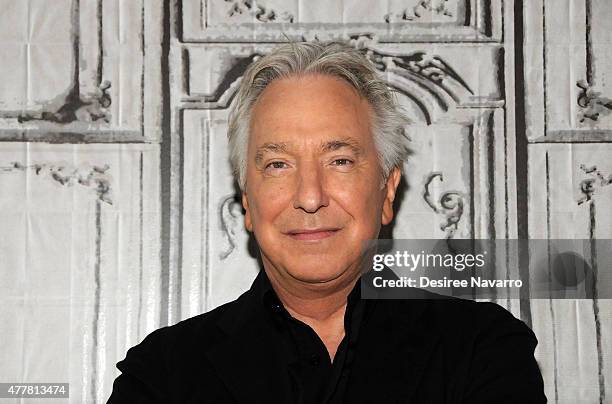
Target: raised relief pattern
[(73, 107), (420, 10), (428, 80), (595, 179), (432, 69), (75, 104), (449, 205), (258, 11), (592, 104), (90, 176)]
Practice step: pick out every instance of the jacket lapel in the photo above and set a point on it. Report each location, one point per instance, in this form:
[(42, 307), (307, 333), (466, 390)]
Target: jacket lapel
[(246, 359)]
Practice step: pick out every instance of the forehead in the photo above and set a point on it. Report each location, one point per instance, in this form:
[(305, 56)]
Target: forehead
[(310, 109)]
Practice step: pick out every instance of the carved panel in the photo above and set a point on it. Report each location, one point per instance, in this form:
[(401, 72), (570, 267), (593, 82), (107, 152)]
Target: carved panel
[(80, 259), (433, 78), (570, 195), (216, 258), (90, 176), (80, 70), (392, 21), (568, 69)]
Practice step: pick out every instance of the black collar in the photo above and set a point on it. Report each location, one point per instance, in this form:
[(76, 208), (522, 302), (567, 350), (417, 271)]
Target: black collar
[(243, 347), (264, 292)]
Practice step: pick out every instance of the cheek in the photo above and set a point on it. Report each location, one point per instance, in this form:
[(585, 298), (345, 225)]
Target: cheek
[(362, 201), (268, 204)]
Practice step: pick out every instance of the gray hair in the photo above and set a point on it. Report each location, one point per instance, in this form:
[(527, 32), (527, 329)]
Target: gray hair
[(336, 59)]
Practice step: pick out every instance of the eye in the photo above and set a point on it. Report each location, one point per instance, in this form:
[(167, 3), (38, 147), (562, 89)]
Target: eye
[(276, 165), (276, 168), (342, 162)]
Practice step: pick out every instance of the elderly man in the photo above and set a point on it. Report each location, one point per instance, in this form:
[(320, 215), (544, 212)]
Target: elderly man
[(317, 143)]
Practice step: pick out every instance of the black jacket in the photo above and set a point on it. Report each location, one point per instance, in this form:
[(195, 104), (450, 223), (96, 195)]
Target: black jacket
[(408, 351)]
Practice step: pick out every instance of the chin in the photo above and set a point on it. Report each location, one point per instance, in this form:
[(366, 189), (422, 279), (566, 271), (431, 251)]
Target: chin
[(315, 273)]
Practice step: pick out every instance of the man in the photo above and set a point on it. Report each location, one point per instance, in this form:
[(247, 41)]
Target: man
[(316, 140)]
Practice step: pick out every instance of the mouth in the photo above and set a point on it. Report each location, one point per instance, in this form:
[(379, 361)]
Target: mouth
[(312, 234)]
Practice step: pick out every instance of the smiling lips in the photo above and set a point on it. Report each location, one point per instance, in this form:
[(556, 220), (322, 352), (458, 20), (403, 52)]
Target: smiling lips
[(312, 234)]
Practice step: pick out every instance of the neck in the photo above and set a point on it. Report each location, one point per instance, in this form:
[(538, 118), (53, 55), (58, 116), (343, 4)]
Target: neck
[(321, 306), (313, 302)]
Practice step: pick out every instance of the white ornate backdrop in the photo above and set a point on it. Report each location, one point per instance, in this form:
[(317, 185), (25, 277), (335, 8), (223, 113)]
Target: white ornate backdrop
[(119, 215)]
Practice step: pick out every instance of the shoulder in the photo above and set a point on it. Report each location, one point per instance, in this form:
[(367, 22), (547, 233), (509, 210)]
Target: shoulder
[(195, 332), (465, 329), (462, 316), (482, 320), (486, 349), (199, 326), (171, 356), (496, 350)]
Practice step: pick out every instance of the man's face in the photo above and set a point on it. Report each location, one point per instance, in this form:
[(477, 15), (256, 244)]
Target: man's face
[(313, 182)]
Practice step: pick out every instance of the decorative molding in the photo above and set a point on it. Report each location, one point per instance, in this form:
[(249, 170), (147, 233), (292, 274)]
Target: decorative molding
[(456, 21), (423, 7), (428, 80), (73, 107), (259, 12), (449, 204), (430, 71), (592, 104), (595, 180), (225, 91), (87, 109), (576, 51), (90, 176)]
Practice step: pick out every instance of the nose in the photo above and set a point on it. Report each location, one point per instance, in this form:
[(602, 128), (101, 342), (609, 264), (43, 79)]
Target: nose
[(310, 195)]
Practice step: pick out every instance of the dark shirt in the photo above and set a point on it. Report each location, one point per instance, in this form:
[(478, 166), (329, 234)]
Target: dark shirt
[(315, 379), (425, 350)]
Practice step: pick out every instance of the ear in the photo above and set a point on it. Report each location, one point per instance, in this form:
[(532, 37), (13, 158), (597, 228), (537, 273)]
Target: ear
[(247, 216), (390, 189)]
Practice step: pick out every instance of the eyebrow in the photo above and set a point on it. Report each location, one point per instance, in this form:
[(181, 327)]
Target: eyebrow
[(325, 147), (270, 148), (348, 142)]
